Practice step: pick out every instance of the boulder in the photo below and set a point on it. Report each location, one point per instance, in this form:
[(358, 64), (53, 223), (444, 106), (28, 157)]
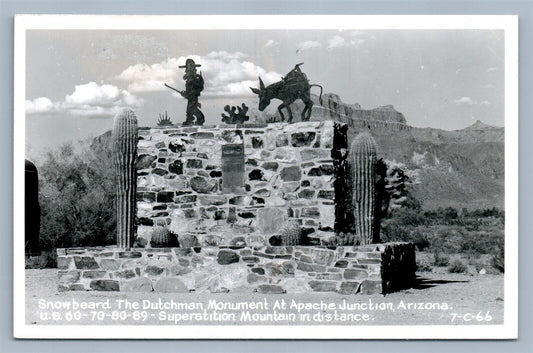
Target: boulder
[(226, 257), (270, 289), (105, 285), (170, 285), (137, 285)]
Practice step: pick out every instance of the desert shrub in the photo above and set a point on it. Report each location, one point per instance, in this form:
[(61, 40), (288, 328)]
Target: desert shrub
[(263, 117), (407, 216), (440, 260), (449, 213), (479, 265), (47, 259), (272, 119), (395, 232), (76, 194), (457, 266), (50, 259), (423, 266), (472, 224), (498, 258), (420, 239), (487, 212), (485, 264)]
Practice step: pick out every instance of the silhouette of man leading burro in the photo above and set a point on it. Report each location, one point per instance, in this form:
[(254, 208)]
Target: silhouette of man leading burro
[(194, 85), (293, 86)]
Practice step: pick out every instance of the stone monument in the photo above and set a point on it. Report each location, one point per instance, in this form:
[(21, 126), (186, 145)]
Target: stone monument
[(268, 208)]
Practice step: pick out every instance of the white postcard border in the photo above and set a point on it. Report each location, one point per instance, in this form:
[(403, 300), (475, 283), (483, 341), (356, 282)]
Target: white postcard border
[(509, 23)]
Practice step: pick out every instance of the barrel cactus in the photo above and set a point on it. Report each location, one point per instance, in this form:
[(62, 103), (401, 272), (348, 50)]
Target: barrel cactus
[(344, 239), (291, 233), (363, 162), (163, 238), (124, 156)]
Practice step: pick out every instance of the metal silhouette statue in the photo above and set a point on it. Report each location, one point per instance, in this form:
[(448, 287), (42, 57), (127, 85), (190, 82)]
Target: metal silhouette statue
[(194, 85), (236, 115), (293, 86)]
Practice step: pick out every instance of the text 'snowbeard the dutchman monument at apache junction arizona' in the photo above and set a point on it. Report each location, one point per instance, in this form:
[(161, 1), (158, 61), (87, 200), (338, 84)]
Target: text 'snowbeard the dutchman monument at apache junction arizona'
[(285, 207)]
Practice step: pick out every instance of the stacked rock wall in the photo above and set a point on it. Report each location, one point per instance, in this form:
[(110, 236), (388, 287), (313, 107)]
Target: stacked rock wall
[(237, 184), (371, 269)]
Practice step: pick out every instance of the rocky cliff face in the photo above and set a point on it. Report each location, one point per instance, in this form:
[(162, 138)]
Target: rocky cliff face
[(458, 168), (333, 108)]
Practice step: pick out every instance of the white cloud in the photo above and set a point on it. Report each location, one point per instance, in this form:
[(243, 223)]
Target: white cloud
[(225, 74), (224, 55), (271, 43), (308, 44), (470, 101), (93, 94), (356, 33), (40, 105), (465, 100), (89, 99), (339, 42), (491, 69), (336, 42)]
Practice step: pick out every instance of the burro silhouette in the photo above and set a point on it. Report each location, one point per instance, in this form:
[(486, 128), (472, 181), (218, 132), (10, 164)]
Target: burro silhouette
[(293, 86)]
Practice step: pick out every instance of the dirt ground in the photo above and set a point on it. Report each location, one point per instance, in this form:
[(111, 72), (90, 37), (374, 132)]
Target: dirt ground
[(438, 298)]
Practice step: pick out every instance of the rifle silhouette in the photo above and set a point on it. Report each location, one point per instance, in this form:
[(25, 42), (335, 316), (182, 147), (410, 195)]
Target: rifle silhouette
[(177, 90)]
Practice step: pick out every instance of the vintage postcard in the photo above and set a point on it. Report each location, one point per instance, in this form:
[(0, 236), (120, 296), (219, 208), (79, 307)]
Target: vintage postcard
[(319, 177)]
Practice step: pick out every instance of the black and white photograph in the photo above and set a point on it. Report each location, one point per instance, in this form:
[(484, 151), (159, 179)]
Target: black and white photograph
[(325, 177)]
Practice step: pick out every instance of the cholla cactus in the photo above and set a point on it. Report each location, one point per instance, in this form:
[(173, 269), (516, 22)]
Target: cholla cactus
[(363, 161), (291, 234), (163, 238), (124, 156)]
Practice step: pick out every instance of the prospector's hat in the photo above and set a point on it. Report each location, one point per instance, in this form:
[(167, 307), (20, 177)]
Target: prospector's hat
[(189, 62)]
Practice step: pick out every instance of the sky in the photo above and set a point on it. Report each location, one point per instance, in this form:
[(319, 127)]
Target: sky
[(78, 80)]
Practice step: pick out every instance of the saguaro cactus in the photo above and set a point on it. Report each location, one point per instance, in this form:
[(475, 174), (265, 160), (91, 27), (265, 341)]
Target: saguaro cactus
[(363, 161), (124, 156), (32, 215)]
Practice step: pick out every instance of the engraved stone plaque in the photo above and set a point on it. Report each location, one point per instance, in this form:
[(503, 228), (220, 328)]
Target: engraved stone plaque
[(232, 167)]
